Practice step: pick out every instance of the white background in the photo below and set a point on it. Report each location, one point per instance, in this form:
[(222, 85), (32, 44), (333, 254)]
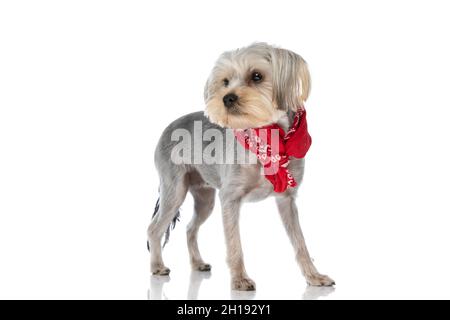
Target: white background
[(86, 87)]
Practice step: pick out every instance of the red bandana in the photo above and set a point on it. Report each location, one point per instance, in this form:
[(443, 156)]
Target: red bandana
[(274, 155)]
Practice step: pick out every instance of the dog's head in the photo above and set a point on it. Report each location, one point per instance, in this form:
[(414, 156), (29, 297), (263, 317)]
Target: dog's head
[(255, 86)]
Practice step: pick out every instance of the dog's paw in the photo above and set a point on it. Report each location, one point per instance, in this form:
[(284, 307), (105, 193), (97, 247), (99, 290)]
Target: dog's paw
[(201, 266), (160, 271), (243, 284), (319, 280)]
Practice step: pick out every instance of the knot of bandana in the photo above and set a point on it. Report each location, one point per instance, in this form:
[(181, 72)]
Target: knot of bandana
[(273, 148)]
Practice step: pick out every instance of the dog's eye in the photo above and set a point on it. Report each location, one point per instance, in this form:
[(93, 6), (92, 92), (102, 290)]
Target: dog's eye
[(257, 77), (226, 82)]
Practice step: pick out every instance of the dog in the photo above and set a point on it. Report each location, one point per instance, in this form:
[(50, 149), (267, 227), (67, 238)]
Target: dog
[(252, 87)]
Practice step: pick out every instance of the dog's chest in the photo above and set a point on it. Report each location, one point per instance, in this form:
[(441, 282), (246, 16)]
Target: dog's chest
[(259, 187)]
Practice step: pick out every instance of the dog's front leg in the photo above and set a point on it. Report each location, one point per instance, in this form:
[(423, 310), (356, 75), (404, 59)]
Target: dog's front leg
[(289, 216), (235, 259)]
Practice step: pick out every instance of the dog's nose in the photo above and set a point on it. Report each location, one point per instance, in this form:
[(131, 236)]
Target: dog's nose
[(229, 100)]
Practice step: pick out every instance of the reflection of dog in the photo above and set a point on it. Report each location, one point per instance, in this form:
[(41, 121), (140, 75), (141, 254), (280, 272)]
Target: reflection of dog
[(250, 87)]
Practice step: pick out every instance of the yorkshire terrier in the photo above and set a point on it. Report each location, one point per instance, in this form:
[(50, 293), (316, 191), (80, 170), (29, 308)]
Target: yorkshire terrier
[(250, 89)]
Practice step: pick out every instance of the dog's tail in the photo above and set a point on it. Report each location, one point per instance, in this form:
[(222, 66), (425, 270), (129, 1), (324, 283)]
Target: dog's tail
[(169, 228)]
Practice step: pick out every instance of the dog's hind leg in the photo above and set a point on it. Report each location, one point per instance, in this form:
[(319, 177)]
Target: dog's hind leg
[(289, 216), (172, 194), (203, 207)]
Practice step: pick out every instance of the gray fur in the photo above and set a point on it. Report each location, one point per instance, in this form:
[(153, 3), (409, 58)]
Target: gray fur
[(236, 183)]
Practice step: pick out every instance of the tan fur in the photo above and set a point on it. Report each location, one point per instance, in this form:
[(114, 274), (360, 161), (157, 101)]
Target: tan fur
[(286, 85)]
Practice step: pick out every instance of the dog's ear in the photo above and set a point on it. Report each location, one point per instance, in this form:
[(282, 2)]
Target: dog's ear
[(291, 79), (206, 91)]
